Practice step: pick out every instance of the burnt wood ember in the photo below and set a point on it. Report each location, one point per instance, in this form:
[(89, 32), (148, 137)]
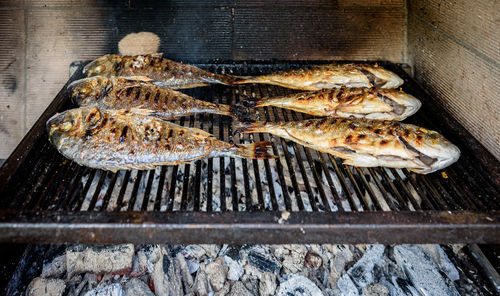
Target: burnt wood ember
[(204, 270), (302, 196)]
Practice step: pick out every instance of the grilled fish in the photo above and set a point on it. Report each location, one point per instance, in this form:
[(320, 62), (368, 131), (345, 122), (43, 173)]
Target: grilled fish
[(368, 143), (122, 93), (329, 76), (380, 104), (154, 68), (118, 139)]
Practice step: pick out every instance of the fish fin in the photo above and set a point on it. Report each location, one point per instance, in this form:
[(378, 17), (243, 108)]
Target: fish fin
[(252, 102), (256, 150), (250, 127), (139, 78)]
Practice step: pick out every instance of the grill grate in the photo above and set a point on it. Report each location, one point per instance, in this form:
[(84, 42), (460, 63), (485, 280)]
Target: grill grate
[(47, 198)]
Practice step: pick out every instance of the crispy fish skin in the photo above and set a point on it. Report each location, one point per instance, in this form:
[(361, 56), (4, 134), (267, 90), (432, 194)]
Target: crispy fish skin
[(118, 139), (154, 68), (122, 93), (368, 143), (380, 104), (329, 76)]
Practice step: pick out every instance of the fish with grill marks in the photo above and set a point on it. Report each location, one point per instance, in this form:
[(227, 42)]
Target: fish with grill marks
[(156, 69), (367, 143), (329, 76), (118, 139), (380, 104), (146, 98)]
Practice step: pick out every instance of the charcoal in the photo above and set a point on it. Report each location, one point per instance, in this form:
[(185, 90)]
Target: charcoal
[(56, 268), (107, 290), (217, 273), (194, 251), (375, 289), (239, 289), (232, 252), (251, 283), (267, 284), (46, 287), (88, 282), (422, 271), (116, 259), (298, 285), (200, 286), (441, 259), (187, 279), (166, 273), (235, 269), (136, 287), (224, 290), (313, 260), (211, 250), (263, 262)]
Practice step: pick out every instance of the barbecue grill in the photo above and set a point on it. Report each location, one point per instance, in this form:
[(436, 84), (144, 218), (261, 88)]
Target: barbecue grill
[(301, 196)]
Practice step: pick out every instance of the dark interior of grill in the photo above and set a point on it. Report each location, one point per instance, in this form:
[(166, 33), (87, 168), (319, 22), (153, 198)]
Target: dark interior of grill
[(304, 193)]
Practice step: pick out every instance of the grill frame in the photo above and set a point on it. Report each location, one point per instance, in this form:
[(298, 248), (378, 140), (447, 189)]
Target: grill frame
[(443, 219)]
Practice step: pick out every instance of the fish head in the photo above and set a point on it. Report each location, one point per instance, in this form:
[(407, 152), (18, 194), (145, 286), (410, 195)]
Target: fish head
[(403, 104), (74, 123), (89, 89), (434, 151), (383, 77), (105, 65)]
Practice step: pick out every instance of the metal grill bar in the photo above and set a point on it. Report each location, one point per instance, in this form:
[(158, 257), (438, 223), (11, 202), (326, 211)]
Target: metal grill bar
[(216, 196)]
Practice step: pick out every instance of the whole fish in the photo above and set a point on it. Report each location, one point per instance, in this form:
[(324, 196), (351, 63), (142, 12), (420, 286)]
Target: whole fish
[(329, 76), (154, 68), (122, 93), (367, 143), (380, 104), (118, 139)]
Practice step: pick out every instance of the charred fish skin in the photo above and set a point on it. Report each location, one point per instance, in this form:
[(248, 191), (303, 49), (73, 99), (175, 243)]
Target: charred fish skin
[(122, 93), (369, 103), (368, 143), (329, 76), (118, 139), (154, 68)]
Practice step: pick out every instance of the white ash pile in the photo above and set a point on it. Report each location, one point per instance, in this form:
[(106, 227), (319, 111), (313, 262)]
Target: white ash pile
[(251, 270)]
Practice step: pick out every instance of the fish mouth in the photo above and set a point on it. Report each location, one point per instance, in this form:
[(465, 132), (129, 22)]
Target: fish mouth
[(404, 108), (436, 158)]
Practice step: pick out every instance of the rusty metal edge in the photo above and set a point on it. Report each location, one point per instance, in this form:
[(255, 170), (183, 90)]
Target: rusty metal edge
[(261, 227)]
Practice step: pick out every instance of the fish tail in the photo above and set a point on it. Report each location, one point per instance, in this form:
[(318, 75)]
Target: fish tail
[(258, 150), (252, 102), (244, 79), (251, 127)]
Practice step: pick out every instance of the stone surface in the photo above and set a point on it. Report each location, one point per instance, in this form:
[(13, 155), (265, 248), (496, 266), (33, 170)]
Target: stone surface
[(116, 259), (217, 273), (298, 285), (267, 284), (136, 287), (45, 287)]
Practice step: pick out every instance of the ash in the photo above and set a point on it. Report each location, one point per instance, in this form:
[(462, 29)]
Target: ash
[(305, 270)]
